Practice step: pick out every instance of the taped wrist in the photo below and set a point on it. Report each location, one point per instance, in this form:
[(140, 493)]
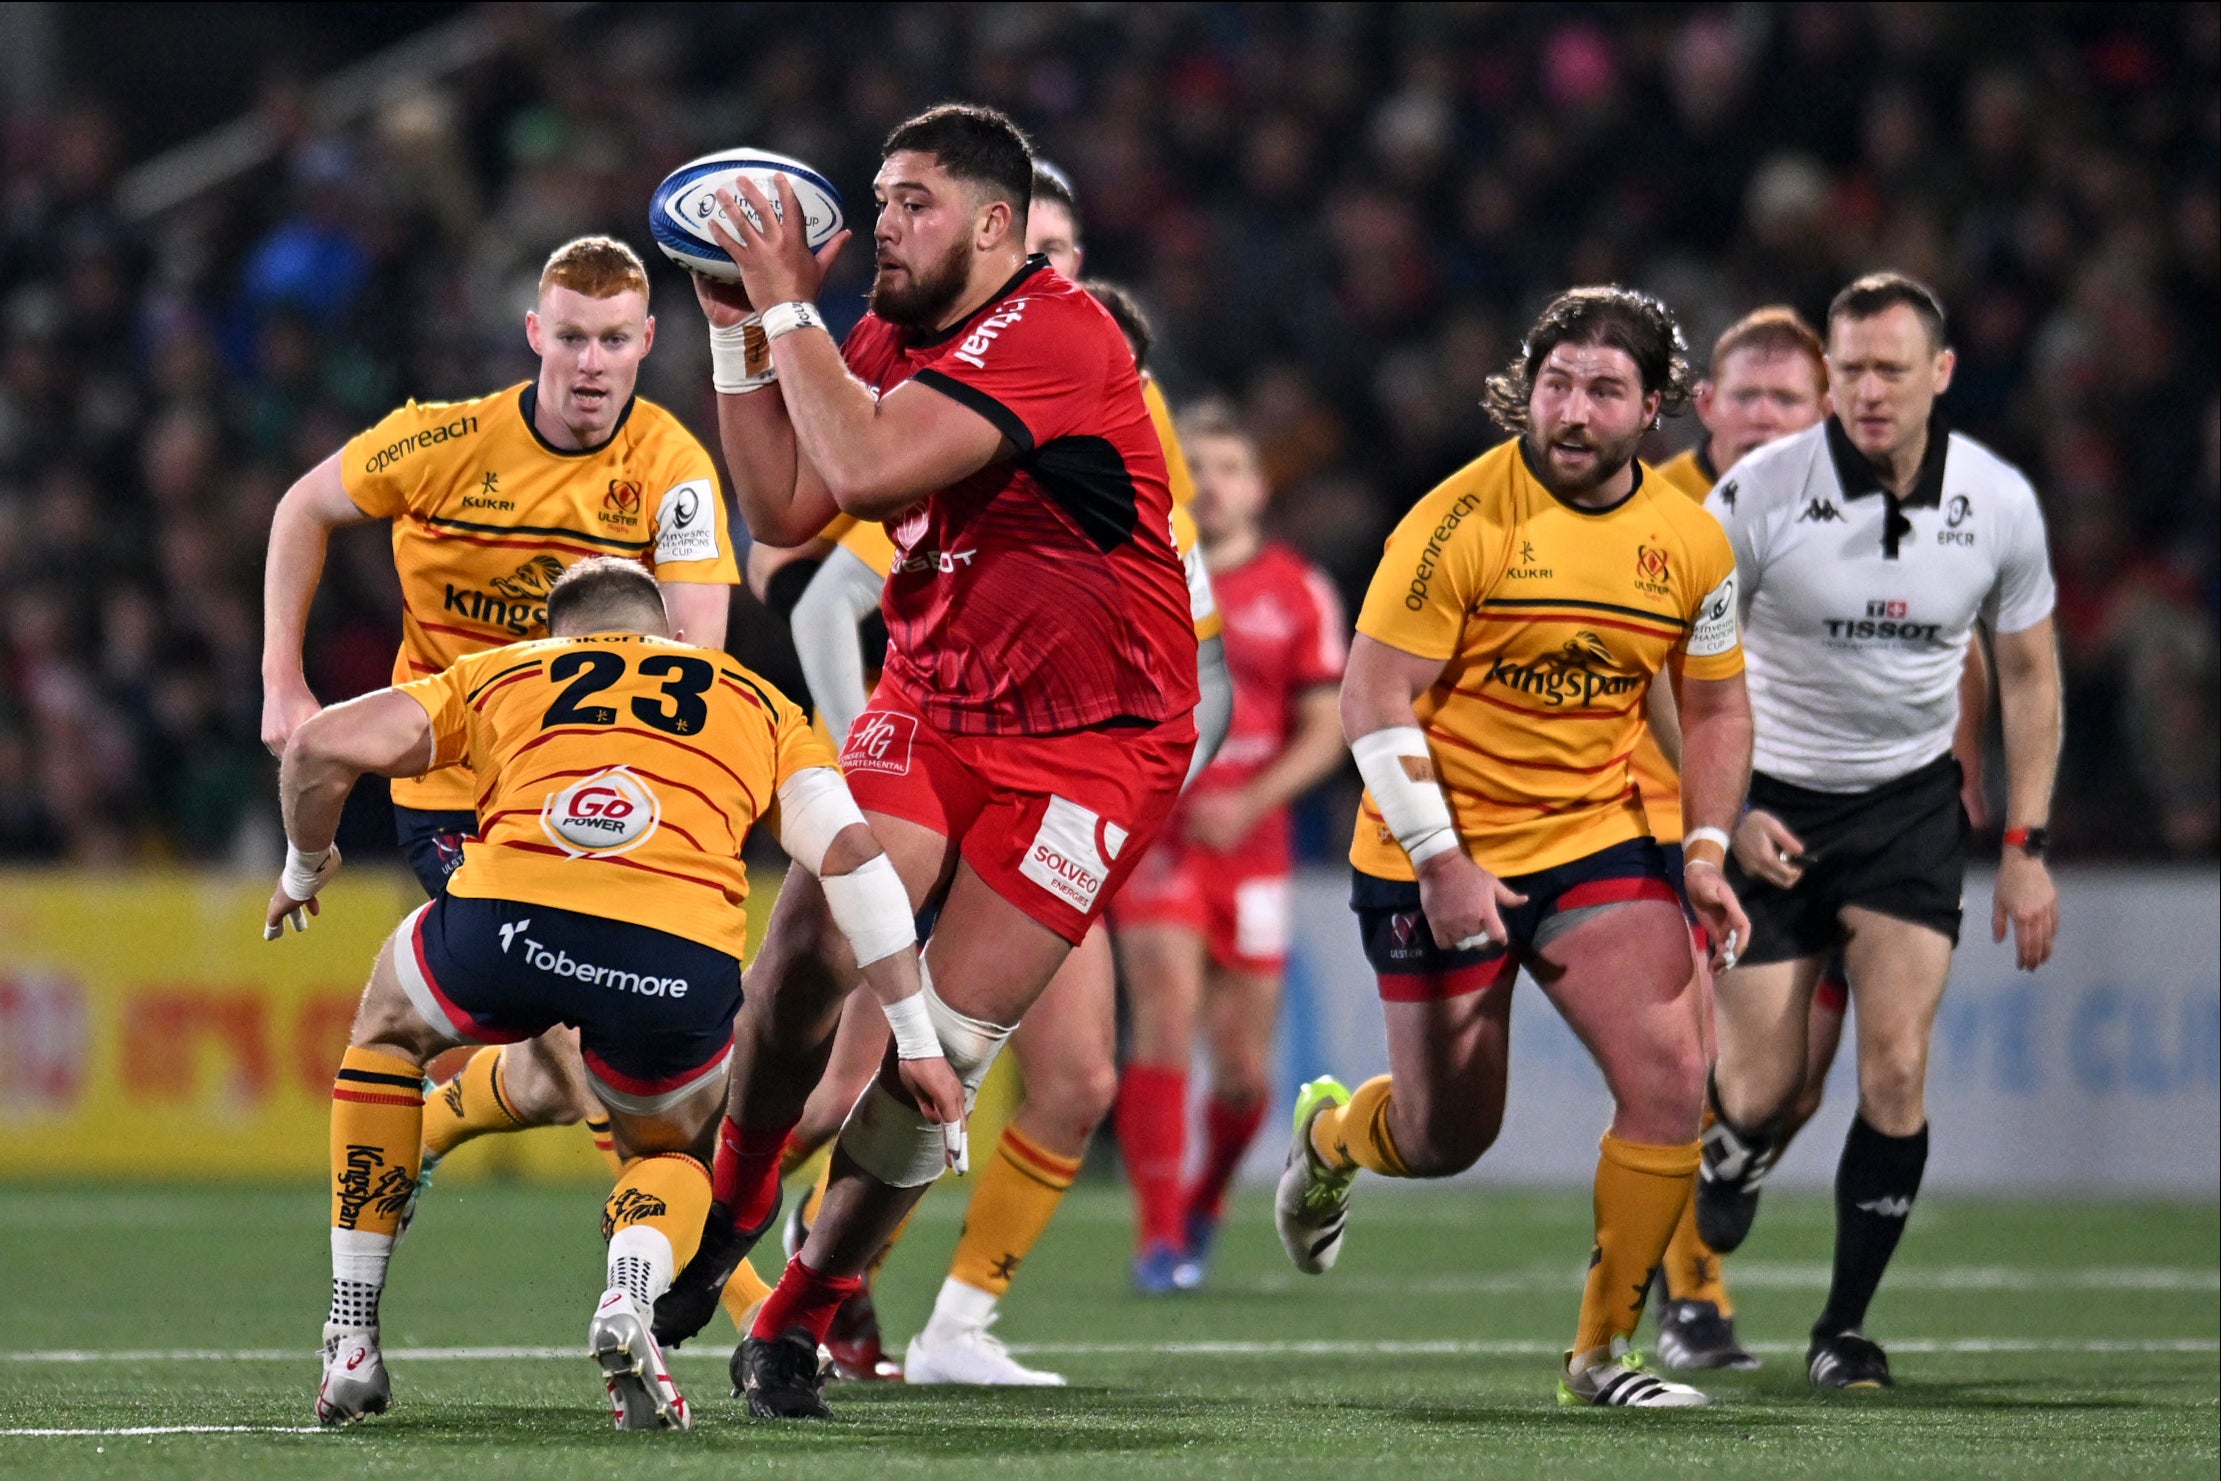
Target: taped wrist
[(305, 874), (873, 911), (893, 1141), (740, 357), (913, 1026), (1399, 772)]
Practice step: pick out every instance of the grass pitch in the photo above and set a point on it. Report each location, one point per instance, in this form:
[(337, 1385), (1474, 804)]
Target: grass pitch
[(2030, 1339)]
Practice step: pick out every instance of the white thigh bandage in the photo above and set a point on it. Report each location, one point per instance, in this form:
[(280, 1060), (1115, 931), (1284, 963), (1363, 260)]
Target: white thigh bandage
[(894, 1142), (814, 806), (872, 909), (1399, 772)]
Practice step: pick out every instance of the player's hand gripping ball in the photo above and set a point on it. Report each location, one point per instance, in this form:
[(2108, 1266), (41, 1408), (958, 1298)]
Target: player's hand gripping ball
[(686, 202)]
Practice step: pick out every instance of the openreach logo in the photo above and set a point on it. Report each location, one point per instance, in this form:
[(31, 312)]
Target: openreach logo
[(616, 979)]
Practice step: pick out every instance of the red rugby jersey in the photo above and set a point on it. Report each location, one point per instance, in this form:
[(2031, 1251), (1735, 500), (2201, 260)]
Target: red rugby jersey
[(1042, 593), (1285, 633)]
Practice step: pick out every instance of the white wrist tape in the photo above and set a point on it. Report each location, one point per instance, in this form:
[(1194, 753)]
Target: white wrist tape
[(1705, 835), (913, 1026), (785, 318), (740, 357), (1400, 774), (814, 806), (305, 874), (873, 911)]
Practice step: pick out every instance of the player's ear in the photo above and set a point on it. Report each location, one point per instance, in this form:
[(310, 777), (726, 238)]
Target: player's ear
[(1703, 399), (994, 225), (1947, 360), (648, 336), (1652, 403), (532, 330)]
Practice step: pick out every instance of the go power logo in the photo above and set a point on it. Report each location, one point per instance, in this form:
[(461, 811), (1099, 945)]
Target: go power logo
[(609, 813)]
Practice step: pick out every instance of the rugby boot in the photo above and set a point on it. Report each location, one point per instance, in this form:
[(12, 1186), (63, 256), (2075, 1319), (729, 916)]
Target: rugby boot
[(687, 1307), (1312, 1203), (858, 1350), (1157, 1271), (642, 1395), (355, 1382), (1734, 1168), (949, 1352), (1693, 1335), (1195, 1260), (1622, 1382), (1848, 1360), (781, 1377)]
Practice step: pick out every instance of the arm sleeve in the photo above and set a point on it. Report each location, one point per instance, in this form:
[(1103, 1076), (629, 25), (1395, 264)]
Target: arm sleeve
[(693, 533), (371, 464), (2024, 593), (1214, 705), (1713, 646), (1033, 368), (827, 639), (1177, 477), (1430, 574), (444, 697)]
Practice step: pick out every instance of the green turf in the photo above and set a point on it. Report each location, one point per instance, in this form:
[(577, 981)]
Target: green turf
[(2117, 1302)]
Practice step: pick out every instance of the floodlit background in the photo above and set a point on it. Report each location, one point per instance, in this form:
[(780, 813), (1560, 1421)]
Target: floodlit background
[(231, 236)]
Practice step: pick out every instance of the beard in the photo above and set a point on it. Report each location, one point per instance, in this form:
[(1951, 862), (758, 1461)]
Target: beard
[(1611, 457), (930, 293)]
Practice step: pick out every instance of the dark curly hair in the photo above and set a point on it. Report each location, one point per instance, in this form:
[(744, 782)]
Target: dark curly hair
[(1619, 317)]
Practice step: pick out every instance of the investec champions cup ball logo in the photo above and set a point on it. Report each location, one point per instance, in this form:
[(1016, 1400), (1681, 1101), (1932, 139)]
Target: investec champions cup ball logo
[(610, 812)]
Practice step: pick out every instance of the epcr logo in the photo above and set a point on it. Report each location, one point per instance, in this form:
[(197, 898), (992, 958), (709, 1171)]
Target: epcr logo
[(610, 812)]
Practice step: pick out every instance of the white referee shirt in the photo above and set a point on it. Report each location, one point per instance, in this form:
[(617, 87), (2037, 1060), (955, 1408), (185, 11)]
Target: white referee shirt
[(1858, 606)]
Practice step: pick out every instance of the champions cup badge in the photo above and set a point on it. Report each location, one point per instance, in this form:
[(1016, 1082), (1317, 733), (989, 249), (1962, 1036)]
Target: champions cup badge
[(610, 812)]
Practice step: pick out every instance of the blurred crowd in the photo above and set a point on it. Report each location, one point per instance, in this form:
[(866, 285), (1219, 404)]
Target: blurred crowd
[(1340, 216)]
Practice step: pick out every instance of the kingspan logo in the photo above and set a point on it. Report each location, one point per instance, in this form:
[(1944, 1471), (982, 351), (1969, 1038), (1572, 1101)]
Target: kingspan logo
[(1577, 674)]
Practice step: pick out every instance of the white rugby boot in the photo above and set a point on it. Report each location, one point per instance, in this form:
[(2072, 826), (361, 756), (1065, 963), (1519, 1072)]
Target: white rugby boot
[(967, 1352), (355, 1382), (642, 1395), (1620, 1381)]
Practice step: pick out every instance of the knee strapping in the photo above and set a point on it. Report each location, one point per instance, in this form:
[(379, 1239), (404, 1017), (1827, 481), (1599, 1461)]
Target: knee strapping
[(893, 1141)]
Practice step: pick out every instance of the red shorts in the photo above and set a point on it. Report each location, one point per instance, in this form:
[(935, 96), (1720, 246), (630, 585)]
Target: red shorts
[(1052, 823), (1238, 903)]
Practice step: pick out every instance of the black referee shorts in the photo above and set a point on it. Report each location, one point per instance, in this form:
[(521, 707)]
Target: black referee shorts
[(1899, 850)]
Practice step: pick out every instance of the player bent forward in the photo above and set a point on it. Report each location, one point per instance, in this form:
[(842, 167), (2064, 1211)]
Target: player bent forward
[(621, 772), (1495, 690)]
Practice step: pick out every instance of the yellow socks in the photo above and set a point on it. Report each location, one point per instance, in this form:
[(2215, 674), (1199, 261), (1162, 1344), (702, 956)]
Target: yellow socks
[(653, 1222), (1358, 1132), (1692, 1270), (471, 1105), (377, 1122), (1018, 1194), (1642, 1192), (743, 1293)]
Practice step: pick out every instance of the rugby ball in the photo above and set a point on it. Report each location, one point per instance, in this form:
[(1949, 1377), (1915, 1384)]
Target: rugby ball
[(683, 205)]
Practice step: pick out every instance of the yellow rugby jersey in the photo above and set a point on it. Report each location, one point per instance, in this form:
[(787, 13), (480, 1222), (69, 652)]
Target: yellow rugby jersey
[(1691, 472), (485, 515), (1552, 620), (870, 543), (615, 775)]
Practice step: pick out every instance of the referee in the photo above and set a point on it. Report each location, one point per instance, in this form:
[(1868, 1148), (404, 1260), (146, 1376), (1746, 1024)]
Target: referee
[(1868, 547)]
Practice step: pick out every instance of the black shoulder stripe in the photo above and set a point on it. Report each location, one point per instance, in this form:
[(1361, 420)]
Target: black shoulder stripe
[(753, 688), (1001, 417), (472, 697)]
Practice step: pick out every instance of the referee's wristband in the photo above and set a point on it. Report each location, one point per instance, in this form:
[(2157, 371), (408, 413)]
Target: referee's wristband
[(785, 318)]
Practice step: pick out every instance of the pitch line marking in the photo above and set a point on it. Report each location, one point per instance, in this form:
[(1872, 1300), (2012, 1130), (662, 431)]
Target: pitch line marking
[(167, 1429), (1445, 1347)]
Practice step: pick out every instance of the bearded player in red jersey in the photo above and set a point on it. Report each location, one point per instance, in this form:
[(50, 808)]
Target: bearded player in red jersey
[(1034, 718), (1202, 928)]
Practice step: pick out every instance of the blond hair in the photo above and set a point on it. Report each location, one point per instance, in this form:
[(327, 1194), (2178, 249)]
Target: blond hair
[(1773, 330), (597, 267)]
